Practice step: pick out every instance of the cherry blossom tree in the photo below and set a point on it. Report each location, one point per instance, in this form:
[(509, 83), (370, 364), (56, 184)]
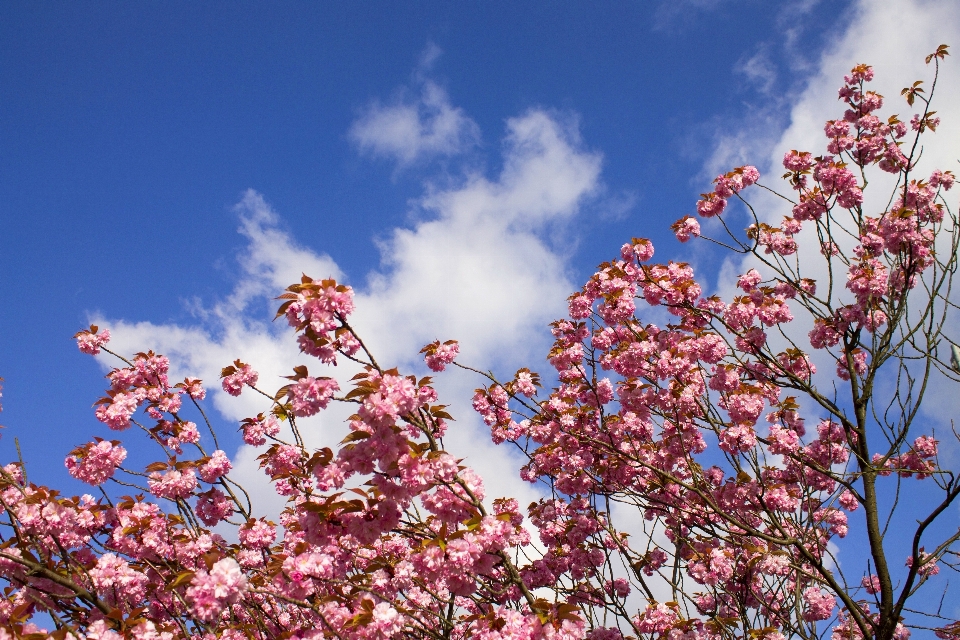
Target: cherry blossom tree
[(700, 479)]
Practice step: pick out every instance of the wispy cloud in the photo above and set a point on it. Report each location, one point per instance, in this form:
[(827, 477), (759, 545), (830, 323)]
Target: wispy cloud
[(759, 69), (418, 124)]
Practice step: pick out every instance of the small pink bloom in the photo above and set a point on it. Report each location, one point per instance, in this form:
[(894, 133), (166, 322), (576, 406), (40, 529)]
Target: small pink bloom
[(210, 592), (310, 395), (89, 341), (173, 484), (217, 466), (711, 206), (213, 506), (241, 375), (438, 356), (686, 228), (194, 388), (820, 604), (94, 463)]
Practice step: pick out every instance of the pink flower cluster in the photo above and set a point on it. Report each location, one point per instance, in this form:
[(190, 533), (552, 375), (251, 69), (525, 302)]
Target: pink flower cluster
[(438, 356), (318, 309), (210, 592), (686, 228), (308, 396), (727, 185), (257, 430), (235, 377), (95, 462), (217, 466), (91, 340)]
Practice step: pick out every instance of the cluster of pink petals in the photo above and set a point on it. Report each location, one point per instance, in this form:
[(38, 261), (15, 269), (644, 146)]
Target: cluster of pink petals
[(115, 579), (242, 375), (173, 484), (686, 228), (216, 467), (210, 592), (256, 430), (309, 396), (438, 355), (95, 462), (726, 186), (90, 341), (319, 310)]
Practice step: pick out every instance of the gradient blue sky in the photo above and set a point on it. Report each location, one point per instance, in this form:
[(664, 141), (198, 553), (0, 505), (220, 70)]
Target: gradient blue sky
[(549, 134)]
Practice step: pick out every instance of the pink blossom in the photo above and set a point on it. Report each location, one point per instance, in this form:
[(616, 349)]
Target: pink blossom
[(783, 441), (90, 341), (218, 465), (213, 506), (210, 592), (686, 228), (238, 376), (728, 185), (925, 446), (657, 618), (188, 433), (440, 355), (711, 205), (116, 580), (257, 534), (738, 438), (928, 564), (172, 484), (749, 280), (256, 430), (100, 630), (820, 604), (824, 334), (95, 462), (385, 620), (942, 179), (117, 413), (640, 250), (309, 396), (797, 160), (618, 587), (744, 408), (848, 500), (859, 358), (580, 307), (524, 383), (194, 388)]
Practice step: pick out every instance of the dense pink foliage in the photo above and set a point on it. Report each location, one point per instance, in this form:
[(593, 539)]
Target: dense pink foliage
[(697, 424)]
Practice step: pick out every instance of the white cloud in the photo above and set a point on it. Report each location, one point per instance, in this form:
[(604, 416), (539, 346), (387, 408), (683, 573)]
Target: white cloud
[(479, 271), (411, 130), (475, 268), (758, 69)]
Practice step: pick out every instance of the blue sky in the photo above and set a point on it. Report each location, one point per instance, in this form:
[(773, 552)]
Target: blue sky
[(463, 165)]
